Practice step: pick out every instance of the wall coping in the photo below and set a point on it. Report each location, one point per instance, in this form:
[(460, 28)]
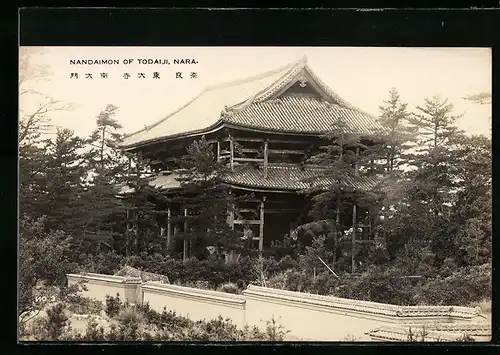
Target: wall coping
[(364, 306), (199, 294), (439, 331), (105, 278)]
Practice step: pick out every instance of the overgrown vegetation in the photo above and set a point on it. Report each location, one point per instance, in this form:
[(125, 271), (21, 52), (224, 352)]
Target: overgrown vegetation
[(126, 322)]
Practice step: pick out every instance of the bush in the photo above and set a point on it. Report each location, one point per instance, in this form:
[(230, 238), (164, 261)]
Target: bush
[(229, 288), (85, 305), (462, 287), (102, 263), (113, 305), (57, 322), (130, 320)]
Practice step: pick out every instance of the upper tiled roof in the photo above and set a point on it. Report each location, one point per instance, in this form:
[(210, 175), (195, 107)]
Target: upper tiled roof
[(251, 102), (301, 114), (204, 111)]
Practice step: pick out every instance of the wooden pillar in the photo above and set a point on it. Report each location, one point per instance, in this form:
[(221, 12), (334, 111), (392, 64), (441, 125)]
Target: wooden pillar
[(231, 152), (185, 246), (175, 232), (337, 217), (353, 241), (261, 225), (356, 165), (169, 231), (230, 214), (266, 144), (218, 151)]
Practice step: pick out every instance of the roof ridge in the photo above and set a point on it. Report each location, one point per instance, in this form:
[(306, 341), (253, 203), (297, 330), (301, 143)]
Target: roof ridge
[(292, 67), (253, 77), (342, 102)]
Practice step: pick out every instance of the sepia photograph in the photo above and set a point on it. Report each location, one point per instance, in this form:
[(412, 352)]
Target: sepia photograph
[(255, 194)]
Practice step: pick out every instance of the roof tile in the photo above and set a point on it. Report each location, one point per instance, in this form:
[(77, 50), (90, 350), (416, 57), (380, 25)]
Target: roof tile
[(302, 114)]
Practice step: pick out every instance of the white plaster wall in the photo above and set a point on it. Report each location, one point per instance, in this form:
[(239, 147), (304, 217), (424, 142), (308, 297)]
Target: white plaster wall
[(309, 324), (192, 304), (308, 317), (99, 289)]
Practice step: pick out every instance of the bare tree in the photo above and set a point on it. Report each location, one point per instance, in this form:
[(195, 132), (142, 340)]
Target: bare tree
[(34, 123), (482, 98)]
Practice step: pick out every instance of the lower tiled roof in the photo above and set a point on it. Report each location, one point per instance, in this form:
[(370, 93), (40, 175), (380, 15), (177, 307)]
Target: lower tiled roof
[(292, 178), (279, 177), (302, 114)]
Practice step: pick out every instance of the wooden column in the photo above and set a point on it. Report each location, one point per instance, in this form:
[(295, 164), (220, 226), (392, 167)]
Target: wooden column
[(169, 231), (231, 152), (266, 144), (356, 166), (261, 225), (354, 218), (218, 150), (185, 246), (353, 241), (230, 214), (176, 231)]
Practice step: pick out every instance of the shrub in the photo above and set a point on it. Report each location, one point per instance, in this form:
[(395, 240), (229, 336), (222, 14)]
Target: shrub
[(93, 332), (465, 338), (229, 287), (57, 321), (85, 305), (113, 305), (102, 263), (464, 286), (130, 320)]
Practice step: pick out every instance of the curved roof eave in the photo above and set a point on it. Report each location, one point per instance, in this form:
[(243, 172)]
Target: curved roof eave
[(200, 132)]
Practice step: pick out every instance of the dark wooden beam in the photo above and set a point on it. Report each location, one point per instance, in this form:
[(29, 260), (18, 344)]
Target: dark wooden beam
[(353, 240), (246, 221), (231, 152), (169, 231), (260, 160), (266, 157), (185, 245), (261, 226), (356, 167), (285, 151)]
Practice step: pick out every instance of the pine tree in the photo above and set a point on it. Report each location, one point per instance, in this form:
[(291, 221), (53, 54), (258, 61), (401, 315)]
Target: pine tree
[(328, 207), (202, 187), (59, 183), (429, 185), (140, 207), (435, 123), (398, 136), (105, 155), (107, 166)]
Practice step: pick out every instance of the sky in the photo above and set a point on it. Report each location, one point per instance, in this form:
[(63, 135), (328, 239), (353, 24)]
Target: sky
[(360, 75)]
